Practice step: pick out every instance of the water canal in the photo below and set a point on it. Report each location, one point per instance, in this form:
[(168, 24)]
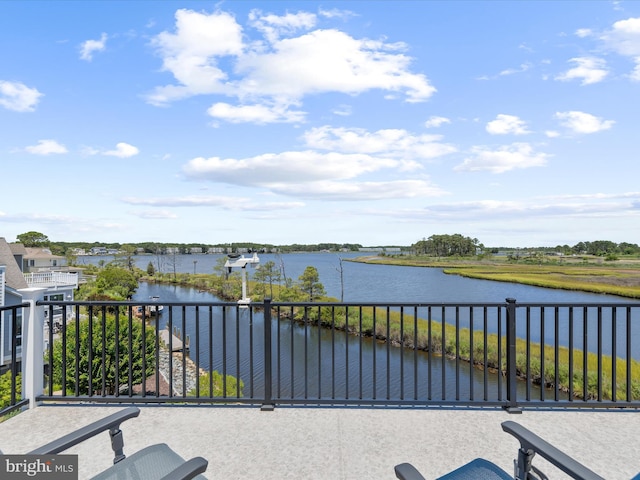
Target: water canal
[(343, 355)]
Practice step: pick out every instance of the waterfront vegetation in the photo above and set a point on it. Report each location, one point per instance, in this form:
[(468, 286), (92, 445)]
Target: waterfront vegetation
[(588, 274), (408, 331), (95, 341), (405, 330)]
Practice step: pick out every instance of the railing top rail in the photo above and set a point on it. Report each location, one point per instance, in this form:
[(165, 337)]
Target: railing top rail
[(578, 305), (261, 304), (11, 307)]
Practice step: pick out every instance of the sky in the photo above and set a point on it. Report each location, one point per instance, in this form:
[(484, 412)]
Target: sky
[(370, 122)]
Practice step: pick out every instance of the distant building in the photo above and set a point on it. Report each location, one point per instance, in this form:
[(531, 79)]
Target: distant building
[(39, 259), (98, 251), (195, 250), (216, 250)]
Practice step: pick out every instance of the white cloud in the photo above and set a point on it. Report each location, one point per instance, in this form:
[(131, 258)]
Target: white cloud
[(274, 26), (503, 159), (88, 48), (271, 75), (123, 150), (342, 110), (330, 61), (191, 54), (580, 122), (552, 133), (624, 37), (512, 71), (361, 190), (396, 143), (589, 69), (259, 114), (435, 122), (589, 206), (224, 202), (507, 124), (635, 74), (46, 147), (584, 32), (156, 215), (18, 97), (336, 13), (287, 167)]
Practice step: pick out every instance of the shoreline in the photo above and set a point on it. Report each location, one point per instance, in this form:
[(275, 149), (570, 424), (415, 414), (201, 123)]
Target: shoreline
[(622, 280)]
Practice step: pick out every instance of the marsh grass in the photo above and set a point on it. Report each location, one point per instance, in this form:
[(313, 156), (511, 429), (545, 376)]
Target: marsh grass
[(405, 330)]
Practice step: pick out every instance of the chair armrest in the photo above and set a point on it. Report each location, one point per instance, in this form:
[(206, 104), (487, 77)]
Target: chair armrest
[(530, 441), (108, 423), (188, 470), (406, 471)]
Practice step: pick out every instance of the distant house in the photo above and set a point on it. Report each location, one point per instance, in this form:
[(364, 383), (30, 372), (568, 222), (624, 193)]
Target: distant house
[(98, 251), (40, 259), (44, 271), (195, 250), (216, 250)]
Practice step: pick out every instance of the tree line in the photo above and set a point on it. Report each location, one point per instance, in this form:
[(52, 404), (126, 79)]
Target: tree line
[(37, 239), (447, 246)]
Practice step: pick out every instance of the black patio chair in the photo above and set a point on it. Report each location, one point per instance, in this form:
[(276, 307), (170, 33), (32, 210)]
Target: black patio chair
[(530, 445), (156, 462)]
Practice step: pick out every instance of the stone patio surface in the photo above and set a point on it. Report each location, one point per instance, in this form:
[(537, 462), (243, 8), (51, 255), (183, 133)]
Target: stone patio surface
[(337, 443)]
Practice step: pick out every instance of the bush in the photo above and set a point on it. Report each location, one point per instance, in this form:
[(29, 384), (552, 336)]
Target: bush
[(103, 374), (5, 389)]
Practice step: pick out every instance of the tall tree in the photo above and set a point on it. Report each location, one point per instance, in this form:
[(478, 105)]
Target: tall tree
[(268, 273), (309, 283), (112, 283), (33, 239)]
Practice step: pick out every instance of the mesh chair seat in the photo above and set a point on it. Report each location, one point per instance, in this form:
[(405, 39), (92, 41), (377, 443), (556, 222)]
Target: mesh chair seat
[(151, 463), (478, 469)]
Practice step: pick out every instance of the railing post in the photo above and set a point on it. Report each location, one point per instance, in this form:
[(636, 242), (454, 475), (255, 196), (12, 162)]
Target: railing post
[(512, 378), (33, 346), (268, 404)]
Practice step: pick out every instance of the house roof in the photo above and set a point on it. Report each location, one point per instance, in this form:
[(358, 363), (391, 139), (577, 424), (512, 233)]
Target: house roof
[(18, 249), (42, 253), (13, 275)]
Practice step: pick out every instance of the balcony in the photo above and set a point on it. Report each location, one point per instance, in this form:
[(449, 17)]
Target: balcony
[(52, 280), (337, 443), (395, 401)]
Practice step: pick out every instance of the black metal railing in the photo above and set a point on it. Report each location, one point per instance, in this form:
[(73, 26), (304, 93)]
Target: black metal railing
[(415, 354), (10, 373)]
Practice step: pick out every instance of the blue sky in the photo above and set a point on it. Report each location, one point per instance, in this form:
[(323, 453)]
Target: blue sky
[(378, 123)]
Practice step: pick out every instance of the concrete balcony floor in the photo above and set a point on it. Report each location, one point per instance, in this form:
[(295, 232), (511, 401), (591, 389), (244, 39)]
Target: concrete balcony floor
[(337, 443)]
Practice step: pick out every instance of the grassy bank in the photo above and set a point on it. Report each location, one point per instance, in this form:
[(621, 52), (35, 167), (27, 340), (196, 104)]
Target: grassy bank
[(622, 279), (407, 331)]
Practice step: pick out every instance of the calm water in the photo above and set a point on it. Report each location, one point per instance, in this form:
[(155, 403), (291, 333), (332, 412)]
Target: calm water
[(382, 283), (305, 356)]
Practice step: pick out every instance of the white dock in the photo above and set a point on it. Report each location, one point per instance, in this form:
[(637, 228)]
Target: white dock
[(176, 342)]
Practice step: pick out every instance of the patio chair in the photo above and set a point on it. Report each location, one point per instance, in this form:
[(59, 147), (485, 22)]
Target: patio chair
[(530, 445), (156, 462)]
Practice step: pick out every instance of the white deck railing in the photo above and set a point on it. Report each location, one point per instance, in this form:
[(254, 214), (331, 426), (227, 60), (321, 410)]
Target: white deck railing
[(51, 279)]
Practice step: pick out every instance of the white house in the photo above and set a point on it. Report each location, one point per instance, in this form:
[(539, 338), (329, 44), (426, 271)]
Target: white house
[(60, 284), (39, 259)]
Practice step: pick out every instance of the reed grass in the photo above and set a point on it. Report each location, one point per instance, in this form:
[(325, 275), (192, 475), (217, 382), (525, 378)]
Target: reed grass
[(407, 331)]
